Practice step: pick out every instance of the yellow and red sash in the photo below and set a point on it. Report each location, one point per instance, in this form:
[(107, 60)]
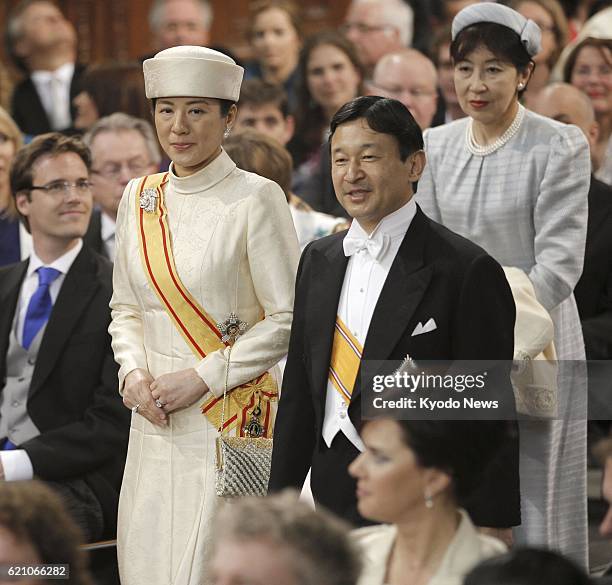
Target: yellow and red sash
[(197, 328), (345, 360)]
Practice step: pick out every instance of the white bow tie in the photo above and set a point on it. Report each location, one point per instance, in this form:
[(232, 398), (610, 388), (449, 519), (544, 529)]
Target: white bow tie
[(375, 246)]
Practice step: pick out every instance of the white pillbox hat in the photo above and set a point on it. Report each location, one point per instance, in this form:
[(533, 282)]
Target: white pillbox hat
[(190, 71)]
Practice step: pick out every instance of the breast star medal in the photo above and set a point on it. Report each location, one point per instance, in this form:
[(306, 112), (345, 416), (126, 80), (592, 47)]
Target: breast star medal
[(232, 328), (148, 200)]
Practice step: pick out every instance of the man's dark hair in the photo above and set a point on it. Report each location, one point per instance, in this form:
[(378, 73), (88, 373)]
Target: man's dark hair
[(258, 93), (528, 566), (383, 115), (51, 144)]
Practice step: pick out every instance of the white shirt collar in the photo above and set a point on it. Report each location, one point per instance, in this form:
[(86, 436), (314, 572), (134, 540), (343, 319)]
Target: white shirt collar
[(63, 263), (393, 225), (63, 73), (107, 227)]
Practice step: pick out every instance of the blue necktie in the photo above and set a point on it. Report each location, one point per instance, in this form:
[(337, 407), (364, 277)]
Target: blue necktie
[(40, 305), (6, 445)]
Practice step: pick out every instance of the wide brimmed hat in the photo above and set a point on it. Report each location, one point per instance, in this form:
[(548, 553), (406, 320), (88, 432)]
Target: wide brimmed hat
[(529, 31), (190, 71)]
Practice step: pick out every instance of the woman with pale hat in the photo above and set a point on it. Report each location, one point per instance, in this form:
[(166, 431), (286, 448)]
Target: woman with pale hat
[(516, 183), (204, 252)]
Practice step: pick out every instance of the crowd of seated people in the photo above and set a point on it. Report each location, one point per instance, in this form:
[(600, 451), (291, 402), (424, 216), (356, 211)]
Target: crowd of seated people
[(72, 137)]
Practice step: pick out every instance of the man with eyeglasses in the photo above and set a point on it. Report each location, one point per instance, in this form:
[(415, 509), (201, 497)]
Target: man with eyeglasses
[(378, 27), (411, 78), (122, 147), (61, 419)]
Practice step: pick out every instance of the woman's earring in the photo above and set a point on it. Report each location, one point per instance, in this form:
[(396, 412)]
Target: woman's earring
[(429, 503), (521, 85), (227, 132)]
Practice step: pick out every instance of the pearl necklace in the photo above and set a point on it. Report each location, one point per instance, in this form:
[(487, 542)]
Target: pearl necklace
[(479, 150)]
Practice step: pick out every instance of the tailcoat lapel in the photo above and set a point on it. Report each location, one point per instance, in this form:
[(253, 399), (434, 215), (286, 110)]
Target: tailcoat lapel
[(401, 294), (77, 289), (328, 269)]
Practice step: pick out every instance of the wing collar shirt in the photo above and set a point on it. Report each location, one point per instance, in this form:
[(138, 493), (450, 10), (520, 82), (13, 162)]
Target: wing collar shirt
[(17, 464), (370, 258), (53, 88)]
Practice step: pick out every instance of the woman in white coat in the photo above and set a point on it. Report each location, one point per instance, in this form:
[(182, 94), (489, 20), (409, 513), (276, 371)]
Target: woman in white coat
[(201, 250)]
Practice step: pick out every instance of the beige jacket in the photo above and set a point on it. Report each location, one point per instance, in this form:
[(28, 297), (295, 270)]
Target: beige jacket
[(467, 548)]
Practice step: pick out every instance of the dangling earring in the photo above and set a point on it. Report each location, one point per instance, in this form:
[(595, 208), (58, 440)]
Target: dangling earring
[(429, 503), (227, 132)]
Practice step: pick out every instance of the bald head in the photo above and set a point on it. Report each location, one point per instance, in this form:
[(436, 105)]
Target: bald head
[(565, 103), (410, 77)]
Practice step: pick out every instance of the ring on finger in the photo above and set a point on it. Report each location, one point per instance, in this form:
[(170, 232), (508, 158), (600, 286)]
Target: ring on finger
[(159, 403)]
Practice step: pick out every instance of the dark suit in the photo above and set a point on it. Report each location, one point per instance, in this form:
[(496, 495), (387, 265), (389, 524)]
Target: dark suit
[(27, 109), (73, 397), (436, 273), (93, 237), (594, 289)]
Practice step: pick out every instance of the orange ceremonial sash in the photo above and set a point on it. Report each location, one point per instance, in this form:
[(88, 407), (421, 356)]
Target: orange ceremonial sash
[(345, 360), (197, 328)]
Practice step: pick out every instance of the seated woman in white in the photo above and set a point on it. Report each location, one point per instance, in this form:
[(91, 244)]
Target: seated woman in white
[(413, 476)]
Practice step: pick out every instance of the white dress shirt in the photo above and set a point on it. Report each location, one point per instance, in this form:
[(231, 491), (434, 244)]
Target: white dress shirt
[(363, 281), (107, 233), (16, 464), (53, 88)]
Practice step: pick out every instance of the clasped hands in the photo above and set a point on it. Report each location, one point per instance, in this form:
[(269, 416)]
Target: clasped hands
[(173, 391)]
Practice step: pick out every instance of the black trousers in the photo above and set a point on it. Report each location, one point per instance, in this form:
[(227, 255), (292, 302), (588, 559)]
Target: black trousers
[(82, 506), (494, 503), (331, 484)]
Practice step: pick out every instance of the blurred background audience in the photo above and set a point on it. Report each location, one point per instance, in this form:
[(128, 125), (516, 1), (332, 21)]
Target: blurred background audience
[(410, 77), (15, 242), (589, 67), (276, 38), (330, 74), (105, 89), (378, 27), (282, 541), (122, 147), (180, 22), (35, 529), (42, 43), (265, 156)]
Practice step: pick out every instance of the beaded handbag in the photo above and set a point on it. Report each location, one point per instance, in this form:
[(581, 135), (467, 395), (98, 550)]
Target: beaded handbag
[(242, 463)]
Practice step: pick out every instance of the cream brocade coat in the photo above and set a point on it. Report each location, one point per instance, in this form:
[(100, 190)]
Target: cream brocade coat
[(235, 249)]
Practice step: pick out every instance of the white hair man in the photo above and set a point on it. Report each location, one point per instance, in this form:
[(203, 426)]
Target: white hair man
[(378, 27), (180, 22), (410, 77), (122, 147)]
